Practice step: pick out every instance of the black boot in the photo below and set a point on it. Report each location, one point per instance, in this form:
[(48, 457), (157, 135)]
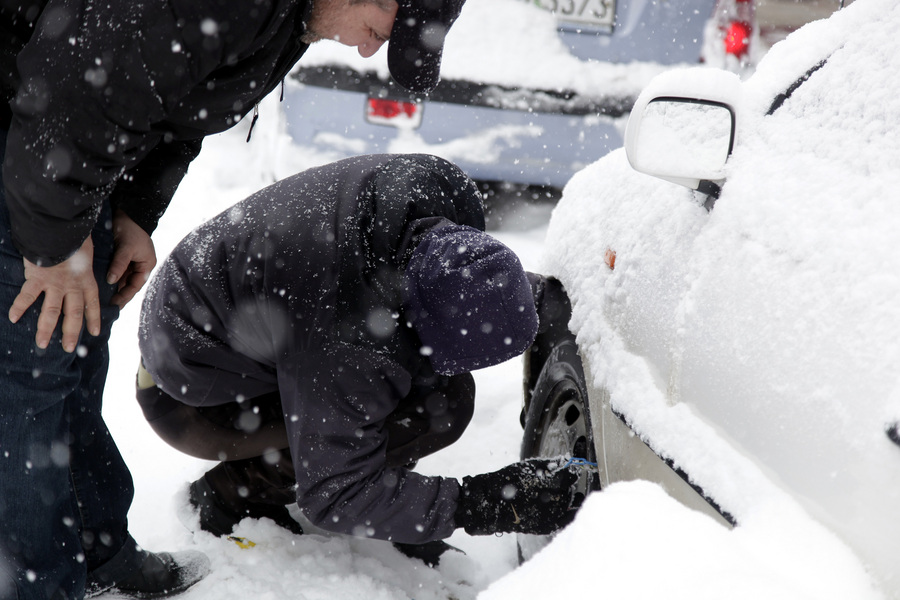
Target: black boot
[(161, 575), (429, 553), (219, 516)]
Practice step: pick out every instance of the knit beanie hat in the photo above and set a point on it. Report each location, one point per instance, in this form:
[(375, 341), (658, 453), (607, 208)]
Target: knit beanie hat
[(468, 299)]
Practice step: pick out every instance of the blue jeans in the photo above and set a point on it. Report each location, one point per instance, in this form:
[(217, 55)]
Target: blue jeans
[(64, 488)]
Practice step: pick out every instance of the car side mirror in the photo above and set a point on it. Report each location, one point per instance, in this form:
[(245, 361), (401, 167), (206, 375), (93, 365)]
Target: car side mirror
[(685, 139)]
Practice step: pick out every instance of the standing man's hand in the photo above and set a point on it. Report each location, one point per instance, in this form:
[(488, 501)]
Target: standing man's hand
[(133, 259), (69, 290)]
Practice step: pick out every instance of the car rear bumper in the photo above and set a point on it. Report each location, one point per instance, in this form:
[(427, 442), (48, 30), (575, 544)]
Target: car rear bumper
[(494, 134)]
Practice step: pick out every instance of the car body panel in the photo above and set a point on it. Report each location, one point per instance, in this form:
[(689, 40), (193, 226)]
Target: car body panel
[(644, 30), (755, 346), (617, 439)]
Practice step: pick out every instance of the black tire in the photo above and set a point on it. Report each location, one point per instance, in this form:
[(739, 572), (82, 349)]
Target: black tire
[(558, 422)]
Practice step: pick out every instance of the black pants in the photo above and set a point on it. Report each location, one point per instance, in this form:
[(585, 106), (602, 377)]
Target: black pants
[(250, 438)]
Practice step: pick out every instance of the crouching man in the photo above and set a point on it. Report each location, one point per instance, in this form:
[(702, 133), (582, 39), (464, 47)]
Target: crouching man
[(317, 339)]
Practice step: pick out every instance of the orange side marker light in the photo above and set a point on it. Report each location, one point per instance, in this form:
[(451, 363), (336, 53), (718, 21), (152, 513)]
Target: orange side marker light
[(609, 257)]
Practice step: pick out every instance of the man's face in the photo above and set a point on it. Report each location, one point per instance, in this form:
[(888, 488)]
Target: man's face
[(365, 25)]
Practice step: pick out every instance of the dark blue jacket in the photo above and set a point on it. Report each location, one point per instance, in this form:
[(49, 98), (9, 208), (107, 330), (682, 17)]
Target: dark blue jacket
[(299, 289)]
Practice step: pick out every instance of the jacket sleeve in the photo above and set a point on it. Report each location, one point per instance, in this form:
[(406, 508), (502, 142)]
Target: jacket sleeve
[(97, 81), (145, 191), (83, 114), (336, 406)]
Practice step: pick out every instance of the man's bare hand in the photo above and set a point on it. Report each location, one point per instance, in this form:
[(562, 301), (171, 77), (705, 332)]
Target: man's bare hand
[(133, 259), (69, 290)]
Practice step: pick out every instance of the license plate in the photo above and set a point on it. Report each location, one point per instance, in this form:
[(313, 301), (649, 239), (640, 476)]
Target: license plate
[(599, 13)]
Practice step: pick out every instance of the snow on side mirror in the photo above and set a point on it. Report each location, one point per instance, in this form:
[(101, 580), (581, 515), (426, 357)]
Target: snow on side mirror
[(684, 137)]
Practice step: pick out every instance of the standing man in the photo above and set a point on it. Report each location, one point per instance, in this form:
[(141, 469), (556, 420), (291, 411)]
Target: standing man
[(104, 106), (318, 338)]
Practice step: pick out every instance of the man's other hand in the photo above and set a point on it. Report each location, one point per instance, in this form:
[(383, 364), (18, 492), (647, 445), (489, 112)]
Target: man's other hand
[(133, 259), (69, 290)]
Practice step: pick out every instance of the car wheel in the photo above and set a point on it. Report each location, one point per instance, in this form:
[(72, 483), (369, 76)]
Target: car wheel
[(558, 423)]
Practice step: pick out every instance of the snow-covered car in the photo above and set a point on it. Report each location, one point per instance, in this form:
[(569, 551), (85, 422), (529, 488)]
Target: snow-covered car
[(530, 92), (736, 338)]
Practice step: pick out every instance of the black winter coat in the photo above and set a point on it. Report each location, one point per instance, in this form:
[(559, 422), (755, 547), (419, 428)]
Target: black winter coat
[(112, 100), (299, 289)]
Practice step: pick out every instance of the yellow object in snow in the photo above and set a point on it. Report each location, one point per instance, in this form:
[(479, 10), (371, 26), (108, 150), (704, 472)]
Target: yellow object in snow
[(242, 543)]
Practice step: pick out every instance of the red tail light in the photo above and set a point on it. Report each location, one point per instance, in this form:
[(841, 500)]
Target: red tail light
[(736, 22), (395, 113), (388, 109), (737, 38)]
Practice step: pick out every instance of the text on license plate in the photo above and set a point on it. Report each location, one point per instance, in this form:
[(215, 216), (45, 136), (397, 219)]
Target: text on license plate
[(588, 12)]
